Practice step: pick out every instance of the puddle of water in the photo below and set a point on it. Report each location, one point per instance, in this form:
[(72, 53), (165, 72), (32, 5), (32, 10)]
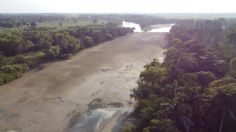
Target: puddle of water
[(95, 119)]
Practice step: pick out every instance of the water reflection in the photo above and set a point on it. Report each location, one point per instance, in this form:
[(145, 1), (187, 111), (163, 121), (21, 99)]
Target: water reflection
[(161, 28), (94, 120), (137, 27), (165, 29)]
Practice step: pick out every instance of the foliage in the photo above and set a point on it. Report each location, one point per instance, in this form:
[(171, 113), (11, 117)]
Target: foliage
[(232, 67), (10, 72), (194, 89), (128, 127), (88, 41)]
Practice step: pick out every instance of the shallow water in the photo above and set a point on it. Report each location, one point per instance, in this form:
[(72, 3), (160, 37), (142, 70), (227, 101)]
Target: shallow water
[(103, 74), (162, 29), (137, 28), (94, 119)]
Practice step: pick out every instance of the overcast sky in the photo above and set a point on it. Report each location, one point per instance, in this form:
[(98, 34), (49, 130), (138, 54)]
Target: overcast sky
[(117, 6)]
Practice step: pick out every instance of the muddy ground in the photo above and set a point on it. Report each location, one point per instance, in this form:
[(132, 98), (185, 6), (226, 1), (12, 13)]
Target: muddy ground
[(49, 100)]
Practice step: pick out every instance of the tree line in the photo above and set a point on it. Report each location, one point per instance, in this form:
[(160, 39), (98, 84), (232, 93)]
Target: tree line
[(194, 89), (35, 19), (21, 50), (19, 20)]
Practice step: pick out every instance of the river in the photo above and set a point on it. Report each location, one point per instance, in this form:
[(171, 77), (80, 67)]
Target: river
[(87, 93), (137, 27), (158, 28), (164, 28), (96, 119)]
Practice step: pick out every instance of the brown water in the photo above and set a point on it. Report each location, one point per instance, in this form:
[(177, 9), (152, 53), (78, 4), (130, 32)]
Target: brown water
[(88, 92), (95, 120)]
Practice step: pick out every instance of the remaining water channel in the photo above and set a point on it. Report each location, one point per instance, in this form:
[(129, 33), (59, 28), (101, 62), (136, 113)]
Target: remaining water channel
[(96, 119)]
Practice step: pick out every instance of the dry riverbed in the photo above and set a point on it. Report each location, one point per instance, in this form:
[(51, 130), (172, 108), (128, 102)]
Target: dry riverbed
[(55, 98)]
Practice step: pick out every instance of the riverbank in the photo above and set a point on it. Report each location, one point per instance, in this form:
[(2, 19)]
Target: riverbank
[(48, 99)]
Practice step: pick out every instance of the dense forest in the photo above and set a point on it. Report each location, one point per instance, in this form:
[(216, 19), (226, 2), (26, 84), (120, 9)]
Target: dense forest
[(194, 89), (26, 48)]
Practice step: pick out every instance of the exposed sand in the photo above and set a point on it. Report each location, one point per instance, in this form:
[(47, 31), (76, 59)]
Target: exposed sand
[(46, 100)]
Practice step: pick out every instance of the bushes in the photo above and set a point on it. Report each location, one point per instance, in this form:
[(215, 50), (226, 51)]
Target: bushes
[(98, 37), (10, 72), (67, 43), (16, 69), (108, 36), (12, 44), (31, 58), (232, 67), (5, 77), (128, 127), (53, 51), (88, 42)]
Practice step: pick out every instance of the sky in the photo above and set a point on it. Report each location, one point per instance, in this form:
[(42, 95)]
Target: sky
[(117, 6)]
